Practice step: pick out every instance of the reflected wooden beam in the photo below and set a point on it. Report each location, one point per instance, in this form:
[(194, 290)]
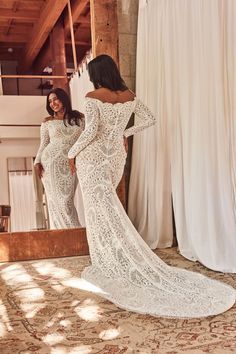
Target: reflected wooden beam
[(44, 58), (48, 17), (58, 50)]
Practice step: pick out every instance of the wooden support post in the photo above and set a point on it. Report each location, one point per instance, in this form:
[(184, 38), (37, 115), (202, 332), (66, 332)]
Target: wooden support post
[(57, 44), (104, 28)]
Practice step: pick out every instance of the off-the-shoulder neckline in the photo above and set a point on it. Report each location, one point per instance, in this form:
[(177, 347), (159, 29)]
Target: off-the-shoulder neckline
[(53, 120), (112, 104)]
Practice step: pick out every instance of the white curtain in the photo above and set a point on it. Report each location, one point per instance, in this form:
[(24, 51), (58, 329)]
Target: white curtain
[(22, 201), (194, 69), (150, 186), (80, 84)]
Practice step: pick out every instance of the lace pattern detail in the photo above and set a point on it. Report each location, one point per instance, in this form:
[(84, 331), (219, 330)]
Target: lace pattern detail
[(143, 119), (56, 140), (124, 268)]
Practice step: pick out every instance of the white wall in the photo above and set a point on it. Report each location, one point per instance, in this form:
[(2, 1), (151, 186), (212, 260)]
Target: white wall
[(18, 141)]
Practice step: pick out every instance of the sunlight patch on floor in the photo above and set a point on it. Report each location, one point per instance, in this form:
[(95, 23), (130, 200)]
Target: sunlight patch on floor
[(53, 338), (110, 333), (54, 320), (4, 320), (31, 298), (80, 349), (48, 268), (15, 274), (82, 284), (89, 310)]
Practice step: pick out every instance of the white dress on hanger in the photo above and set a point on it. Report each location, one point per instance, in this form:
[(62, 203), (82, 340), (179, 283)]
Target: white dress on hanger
[(56, 140), (124, 269)]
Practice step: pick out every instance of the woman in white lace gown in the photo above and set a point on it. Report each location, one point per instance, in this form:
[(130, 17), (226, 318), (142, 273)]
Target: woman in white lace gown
[(58, 133), (124, 269)]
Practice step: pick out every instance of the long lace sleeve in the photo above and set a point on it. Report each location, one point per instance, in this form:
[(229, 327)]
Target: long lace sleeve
[(44, 141), (90, 131), (143, 119)]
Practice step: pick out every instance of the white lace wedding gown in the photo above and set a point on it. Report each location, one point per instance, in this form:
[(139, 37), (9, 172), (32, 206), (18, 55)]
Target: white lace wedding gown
[(59, 184), (124, 269)]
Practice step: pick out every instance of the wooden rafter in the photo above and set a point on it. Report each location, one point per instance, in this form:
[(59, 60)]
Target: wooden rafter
[(48, 17), (79, 43), (14, 9), (77, 8), (28, 15), (17, 38), (84, 20)]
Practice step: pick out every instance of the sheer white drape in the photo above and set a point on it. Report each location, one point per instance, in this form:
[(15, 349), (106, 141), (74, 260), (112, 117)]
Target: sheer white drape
[(80, 84), (150, 191), (22, 201), (194, 80)]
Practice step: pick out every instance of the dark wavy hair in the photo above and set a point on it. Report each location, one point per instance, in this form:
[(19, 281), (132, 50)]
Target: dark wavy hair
[(72, 117), (103, 72)]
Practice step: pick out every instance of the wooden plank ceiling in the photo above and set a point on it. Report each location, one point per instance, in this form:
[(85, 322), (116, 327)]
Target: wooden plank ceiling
[(25, 26)]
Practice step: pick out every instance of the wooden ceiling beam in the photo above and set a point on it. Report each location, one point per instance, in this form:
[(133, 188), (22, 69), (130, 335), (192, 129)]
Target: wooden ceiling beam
[(13, 29), (79, 43), (84, 20), (48, 17), (76, 8), (6, 14), (17, 38)]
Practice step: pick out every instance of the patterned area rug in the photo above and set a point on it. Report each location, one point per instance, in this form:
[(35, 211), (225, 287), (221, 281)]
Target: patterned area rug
[(46, 308)]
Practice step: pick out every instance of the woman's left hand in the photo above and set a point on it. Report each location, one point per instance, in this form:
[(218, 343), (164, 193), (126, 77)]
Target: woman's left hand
[(72, 166)]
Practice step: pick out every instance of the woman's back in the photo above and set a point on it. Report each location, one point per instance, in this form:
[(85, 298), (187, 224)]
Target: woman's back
[(107, 96)]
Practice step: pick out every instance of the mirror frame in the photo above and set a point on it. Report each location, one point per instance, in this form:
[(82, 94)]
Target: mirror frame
[(31, 245)]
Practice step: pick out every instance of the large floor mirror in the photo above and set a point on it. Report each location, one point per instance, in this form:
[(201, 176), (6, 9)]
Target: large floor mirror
[(51, 48)]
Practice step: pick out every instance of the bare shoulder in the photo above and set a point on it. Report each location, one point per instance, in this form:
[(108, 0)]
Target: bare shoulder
[(95, 93), (47, 119), (130, 95)]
